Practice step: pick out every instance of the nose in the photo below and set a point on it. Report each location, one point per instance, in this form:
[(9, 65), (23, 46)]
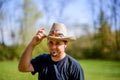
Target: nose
[(53, 46)]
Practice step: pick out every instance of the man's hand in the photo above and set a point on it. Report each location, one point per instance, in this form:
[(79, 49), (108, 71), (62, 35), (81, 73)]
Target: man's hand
[(38, 37)]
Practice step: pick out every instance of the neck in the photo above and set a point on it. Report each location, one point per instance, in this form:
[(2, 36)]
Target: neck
[(58, 58)]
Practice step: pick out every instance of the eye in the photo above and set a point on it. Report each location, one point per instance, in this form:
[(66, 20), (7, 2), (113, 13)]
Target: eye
[(59, 43), (50, 42)]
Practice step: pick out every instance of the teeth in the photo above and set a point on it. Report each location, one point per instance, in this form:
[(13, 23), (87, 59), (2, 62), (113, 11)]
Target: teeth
[(54, 54)]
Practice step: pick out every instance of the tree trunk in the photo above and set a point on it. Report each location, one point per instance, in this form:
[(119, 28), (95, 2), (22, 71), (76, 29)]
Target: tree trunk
[(2, 36)]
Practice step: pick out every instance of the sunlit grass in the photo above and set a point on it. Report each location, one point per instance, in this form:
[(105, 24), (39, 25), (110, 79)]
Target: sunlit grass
[(101, 70), (93, 69), (9, 71)]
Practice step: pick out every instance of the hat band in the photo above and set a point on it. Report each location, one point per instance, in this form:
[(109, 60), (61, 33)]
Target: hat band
[(57, 35)]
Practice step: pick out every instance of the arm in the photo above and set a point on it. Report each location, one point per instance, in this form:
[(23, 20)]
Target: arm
[(25, 61)]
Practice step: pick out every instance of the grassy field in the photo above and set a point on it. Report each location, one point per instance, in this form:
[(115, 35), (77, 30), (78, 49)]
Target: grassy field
[(101, 70), (93, 69)]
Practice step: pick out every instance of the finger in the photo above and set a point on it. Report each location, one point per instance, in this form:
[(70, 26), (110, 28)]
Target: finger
[(39, 37), (41, 31)]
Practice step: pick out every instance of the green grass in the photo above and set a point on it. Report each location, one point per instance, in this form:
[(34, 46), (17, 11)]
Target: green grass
[(9, 71), (101, 70), (93, 70)]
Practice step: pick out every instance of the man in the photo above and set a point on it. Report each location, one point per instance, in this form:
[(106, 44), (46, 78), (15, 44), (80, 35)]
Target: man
[(57, 65)]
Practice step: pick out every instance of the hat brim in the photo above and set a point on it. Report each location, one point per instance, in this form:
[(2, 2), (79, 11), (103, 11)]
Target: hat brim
[(61, 38)]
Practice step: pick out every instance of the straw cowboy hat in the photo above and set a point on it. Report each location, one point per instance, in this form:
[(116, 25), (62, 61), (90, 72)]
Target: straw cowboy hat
[(59, 32)]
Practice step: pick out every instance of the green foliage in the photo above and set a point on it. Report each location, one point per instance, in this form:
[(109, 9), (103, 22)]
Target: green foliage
[(8, 52), (77, 48), (105, 41), (14, 52), (41, 48), (101, 45)]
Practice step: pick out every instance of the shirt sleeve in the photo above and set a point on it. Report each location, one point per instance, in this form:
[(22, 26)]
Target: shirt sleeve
[(80, 75), (36, 63), (77, 73)]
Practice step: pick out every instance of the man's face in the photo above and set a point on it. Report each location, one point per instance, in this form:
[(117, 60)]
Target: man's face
[(56, 47)]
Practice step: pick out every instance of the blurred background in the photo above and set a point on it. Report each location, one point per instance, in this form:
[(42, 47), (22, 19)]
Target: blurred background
[(94, 23)]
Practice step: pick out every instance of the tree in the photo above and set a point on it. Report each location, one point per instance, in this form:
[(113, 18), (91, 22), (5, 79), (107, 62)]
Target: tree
[(2, 17), (115, 16), (106, 41), (30, 16)]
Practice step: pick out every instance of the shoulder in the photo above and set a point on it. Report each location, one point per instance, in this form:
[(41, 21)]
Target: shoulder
[(74, 66), (71, 59), (73, 62)]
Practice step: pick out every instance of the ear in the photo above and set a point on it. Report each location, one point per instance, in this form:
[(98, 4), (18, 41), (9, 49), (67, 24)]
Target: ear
[(66, 43), (65, 46)]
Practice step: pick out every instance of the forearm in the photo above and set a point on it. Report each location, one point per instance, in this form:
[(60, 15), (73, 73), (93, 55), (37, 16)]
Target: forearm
[(25, 61)]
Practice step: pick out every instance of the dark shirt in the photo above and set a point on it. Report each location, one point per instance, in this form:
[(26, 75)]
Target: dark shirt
[(65, 69)]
